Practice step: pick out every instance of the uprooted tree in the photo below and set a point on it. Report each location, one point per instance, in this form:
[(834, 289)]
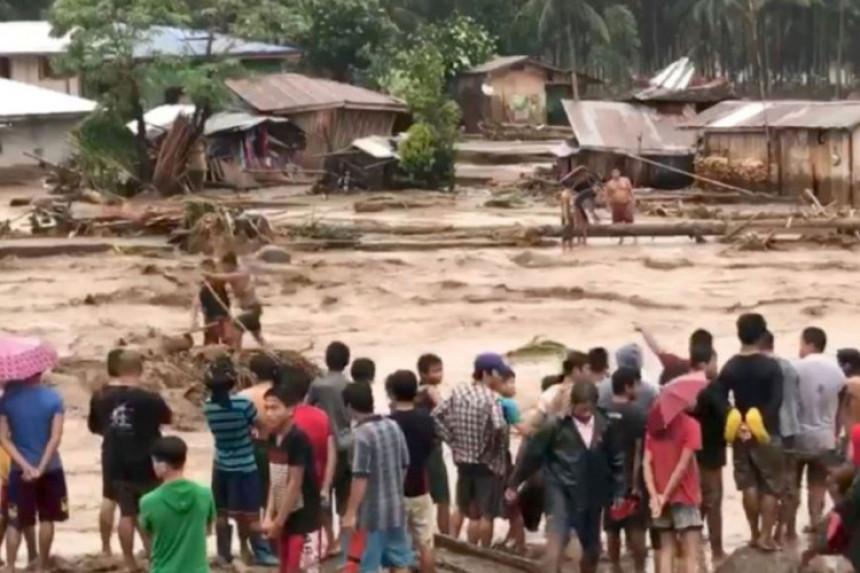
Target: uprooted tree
[(113, 47)]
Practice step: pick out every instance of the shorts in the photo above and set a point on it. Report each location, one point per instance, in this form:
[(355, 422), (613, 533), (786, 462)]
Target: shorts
[(816, 466), (711, 482), (127, 495), (568, 231), (637, 520), (107, 482), (622, 213), (300, 553), (386, 549), (342, 482), (759, 466), (563, 518), (437, 473), (250, 320), (678, 517), (420, 514), (237, 493), (45, 499), (479, 492)]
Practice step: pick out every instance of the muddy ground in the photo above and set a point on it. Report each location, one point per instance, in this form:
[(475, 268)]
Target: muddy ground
[(394, 306)]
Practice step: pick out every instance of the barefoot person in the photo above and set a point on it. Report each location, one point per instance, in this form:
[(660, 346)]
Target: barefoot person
[(242, 286), (31, 429), (130, 419), (213, 301), (568, 225), (430, 374), (178, 515), (621, 200), (755, 380)]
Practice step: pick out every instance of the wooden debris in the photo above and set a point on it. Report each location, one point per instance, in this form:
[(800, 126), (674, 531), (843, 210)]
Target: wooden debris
[(172, 156)]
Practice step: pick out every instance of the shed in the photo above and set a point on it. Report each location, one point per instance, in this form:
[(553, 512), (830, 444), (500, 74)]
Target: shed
[(331, 114), (609, 135), (515, 89), (38, 121), (800, 145)]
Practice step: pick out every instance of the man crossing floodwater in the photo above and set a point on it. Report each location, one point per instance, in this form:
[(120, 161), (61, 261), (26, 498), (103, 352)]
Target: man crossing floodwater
[(621, 200)]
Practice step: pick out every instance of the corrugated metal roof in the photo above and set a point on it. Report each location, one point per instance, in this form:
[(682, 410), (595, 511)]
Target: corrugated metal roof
[(172, 41), (500, 63), (295, 93), (627, 128), (378, 146), (159, 119), (787, 114), (25, 100), (676, 76), (34, 38)]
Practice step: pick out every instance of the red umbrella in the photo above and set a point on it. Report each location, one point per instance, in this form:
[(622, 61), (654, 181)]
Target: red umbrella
[(22, 357), (676, 397)]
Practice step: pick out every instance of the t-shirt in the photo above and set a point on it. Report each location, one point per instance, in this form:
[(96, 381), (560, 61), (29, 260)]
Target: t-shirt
[(130, 420), (666, 448), (381, 456), (789, 423), (30, 409), (511, 411), (673, 366), (295, 450), (231, 427), (315, 424), (628, 420), (418, 429), (327, 393), (821, 381), (756, 382), (711, 410), (176, 516)]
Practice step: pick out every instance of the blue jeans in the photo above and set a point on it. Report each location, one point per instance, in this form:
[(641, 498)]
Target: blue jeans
[(385, 549)]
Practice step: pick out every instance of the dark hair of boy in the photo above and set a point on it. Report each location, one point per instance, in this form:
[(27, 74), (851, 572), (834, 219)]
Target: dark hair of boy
[(575, 360), (701, 337), (598, 359), (220, 378), (584, 392), (672, 371), (849, 361), (815, 337), (337, 356), (264, 367), (751, 327), (286, 393), (359, 397), (113, 362), (170, 450), (701, 355), (363, 370), (230, 258), (767, 342), (624, 378), (402, 385), (428, 361), (549, 381), (295, 377), (129, 363)]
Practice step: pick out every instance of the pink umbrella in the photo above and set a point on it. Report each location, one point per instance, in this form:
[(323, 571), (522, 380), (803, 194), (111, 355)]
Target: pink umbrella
[(23, 357)]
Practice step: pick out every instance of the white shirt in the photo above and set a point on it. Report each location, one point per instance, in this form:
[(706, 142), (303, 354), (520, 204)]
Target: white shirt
[(820, 381), (586, 429)]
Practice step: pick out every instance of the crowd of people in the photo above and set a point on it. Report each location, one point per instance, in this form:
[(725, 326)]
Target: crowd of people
[(307, 468)]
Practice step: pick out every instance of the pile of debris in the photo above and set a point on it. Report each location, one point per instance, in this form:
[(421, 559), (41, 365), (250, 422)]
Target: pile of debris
[(523, 132), (749, 173)]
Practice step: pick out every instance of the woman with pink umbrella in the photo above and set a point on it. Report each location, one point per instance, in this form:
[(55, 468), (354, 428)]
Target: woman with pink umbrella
[(31, 428)]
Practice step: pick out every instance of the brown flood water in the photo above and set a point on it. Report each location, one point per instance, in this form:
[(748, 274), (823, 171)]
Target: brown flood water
[(394, 306)]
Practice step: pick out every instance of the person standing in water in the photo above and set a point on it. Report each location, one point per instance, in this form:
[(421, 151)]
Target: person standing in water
[(621, 200), (242, 285)]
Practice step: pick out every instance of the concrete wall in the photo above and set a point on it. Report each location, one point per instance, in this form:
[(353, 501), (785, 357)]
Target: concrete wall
[(28, 70), (48, 138)]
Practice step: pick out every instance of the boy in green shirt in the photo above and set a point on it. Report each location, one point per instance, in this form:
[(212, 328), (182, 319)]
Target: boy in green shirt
[(178, 515)]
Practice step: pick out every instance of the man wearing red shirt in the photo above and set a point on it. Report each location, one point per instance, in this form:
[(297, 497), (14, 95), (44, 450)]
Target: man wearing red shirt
[(672, 479)]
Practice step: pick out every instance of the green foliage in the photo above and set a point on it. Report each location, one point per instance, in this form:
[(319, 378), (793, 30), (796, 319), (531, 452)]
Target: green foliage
[(617, 56), (427, 157), (338, 36), (462, 42), (105, 152)]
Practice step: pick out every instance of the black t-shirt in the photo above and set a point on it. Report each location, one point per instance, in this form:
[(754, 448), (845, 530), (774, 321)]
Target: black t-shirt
[(628, 420), (711, 410), (756, 382), (130, 420), (417, 426), (295, 450)]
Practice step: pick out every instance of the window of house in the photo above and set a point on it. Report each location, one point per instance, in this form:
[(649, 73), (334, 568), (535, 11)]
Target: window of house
[(5, 68), (46, 71)]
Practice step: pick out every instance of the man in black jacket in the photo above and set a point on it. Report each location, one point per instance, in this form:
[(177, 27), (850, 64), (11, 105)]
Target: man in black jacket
[(578, 455)]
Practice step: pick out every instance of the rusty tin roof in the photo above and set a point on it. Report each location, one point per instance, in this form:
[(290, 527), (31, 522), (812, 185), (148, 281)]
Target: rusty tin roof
[(743, 115), (627, 128), (296, 93)]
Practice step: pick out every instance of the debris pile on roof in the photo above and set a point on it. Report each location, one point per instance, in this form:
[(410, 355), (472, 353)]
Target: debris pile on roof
[(678, 83)]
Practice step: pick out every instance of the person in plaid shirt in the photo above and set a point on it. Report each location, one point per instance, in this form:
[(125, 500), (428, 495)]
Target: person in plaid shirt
[(470, 420)]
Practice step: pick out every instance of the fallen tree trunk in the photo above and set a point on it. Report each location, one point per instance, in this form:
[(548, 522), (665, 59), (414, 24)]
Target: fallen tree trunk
[(796, 226)]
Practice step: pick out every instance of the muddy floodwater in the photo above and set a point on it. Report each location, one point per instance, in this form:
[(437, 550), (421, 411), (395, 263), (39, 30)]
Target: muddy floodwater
[(393, 306)]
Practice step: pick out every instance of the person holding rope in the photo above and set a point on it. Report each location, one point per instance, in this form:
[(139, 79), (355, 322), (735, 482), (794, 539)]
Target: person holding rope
[(242, 285), (213, 302)]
